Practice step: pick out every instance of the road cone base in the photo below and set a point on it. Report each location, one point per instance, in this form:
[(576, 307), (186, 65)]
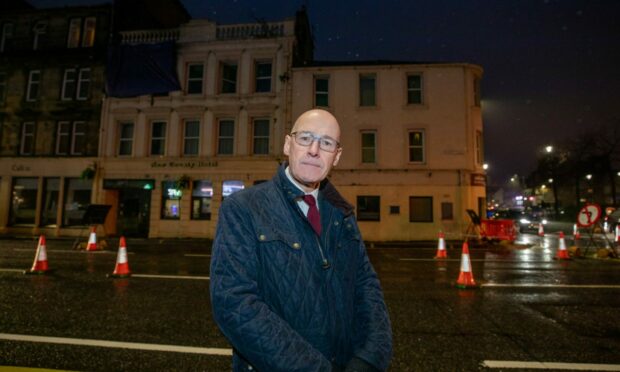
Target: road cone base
[(467, 286), (37, 272), (119, 275), (441, 257)]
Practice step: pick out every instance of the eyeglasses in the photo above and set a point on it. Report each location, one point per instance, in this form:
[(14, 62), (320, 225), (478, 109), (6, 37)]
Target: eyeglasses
[(326, 143)]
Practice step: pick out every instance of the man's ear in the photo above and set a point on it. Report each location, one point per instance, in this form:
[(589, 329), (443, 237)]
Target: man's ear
[(287, 145), (337, 157)]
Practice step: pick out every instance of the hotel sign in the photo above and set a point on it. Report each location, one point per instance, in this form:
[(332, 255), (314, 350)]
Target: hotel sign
[(478, 179), (184, 164)]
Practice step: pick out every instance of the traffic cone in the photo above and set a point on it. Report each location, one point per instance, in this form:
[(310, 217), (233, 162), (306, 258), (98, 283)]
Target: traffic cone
[(121, 270), (92, 240), (617, 239), (40, 259), (562, 252), (441, 247), (466, 277), (576, 234), (541, 230)]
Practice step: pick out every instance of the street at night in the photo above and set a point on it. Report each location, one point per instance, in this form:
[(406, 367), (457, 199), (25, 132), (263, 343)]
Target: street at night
[(531, 310)]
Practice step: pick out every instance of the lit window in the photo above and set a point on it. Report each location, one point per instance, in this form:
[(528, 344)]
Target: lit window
[(49, 204), (195, 75), (27, 139), (369, 147), (191, 140), (229, 77), (414, 89), (171, 201), (367, 89), (231, 187), (73, 38), (226, 137), (368, 208), (202, 194), (321, 91), (77, 199), (34, 81), (421, 209), (158, 138), (263, 77), (416, 146), (261, 137), (125, 145), (88, 35), (23, 201)]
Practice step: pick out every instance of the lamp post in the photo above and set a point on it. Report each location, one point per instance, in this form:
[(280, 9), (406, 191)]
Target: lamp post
[(551, 159)]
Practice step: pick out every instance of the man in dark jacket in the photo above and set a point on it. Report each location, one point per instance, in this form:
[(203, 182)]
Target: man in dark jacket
[(291, 285)]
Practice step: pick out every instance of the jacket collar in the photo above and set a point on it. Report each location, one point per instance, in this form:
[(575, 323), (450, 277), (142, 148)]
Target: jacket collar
[(327, 191)]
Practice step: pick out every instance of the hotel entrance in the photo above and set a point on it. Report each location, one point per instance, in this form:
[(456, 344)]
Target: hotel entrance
[(133, 206)]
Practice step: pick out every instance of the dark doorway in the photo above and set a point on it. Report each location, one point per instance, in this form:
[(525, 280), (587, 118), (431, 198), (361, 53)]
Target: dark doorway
[(134, 206)]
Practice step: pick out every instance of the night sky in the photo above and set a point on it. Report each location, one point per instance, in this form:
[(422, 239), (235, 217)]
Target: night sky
[(551, 68)]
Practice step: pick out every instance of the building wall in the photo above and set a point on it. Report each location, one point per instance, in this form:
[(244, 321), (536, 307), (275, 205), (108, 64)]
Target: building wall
[(199, 43), (45, 160), (449, 118)]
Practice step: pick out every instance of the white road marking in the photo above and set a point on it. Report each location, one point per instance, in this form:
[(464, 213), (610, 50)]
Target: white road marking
[(13, 270), (196, 255), (66, 251), (473, 259), (542, 285), (116, 344), (550, 365), (170, 276)]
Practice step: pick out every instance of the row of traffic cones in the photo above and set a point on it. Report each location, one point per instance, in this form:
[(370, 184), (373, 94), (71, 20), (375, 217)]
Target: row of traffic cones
[(466, 277), (41, 266)]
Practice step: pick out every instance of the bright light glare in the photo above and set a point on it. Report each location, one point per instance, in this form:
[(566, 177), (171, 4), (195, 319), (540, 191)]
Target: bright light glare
[(485, 166), (549, 149), (588, 176)]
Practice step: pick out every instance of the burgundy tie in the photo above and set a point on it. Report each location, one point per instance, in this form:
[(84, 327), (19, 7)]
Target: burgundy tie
[(313, 213)]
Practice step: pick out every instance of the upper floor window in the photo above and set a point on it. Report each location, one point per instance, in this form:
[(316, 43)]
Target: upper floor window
[(3, 87), (367, 89), (321, 91), (262, 72), (7, 33), (261, 137), (75, 84), (416, 146), (34, 80), (414, 89), (83, 86), (226, 136), (26, 144), (369, 147), (229, 77), (39, 29), (70, 138), (125, 139), (191, 139), (158, 138), (81, 32), (195, 76)]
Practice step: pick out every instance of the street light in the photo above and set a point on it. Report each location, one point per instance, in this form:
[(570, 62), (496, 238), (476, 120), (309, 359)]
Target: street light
[(549, 149), (485, 166), (588, 177)]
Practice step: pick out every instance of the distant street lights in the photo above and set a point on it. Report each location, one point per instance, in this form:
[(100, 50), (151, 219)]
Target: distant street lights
[(551, 161)]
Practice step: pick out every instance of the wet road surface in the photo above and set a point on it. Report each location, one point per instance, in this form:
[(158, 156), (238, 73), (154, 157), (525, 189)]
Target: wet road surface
[(530, 308)]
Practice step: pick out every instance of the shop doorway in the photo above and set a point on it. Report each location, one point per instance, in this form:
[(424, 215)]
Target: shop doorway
[(134, 207)]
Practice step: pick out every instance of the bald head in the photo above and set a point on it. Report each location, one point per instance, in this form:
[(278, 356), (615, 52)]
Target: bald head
[(319, 121)]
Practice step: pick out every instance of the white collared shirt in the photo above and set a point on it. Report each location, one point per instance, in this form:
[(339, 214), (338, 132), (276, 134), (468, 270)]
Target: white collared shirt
[(301, 203)]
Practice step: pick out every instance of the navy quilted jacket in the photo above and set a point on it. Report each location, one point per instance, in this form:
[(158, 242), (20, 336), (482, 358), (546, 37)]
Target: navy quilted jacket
[(274, 298)]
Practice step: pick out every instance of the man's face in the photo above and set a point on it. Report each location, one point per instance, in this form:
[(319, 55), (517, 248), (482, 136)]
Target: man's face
[(309, 165)]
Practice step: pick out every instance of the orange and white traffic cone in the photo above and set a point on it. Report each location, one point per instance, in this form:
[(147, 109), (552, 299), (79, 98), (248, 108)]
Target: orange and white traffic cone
[(40, 265), (121, 270), (576, 234), (92, 240), (466, 277), (562, 252), (441, 247), (541, 230), (617, 239)]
